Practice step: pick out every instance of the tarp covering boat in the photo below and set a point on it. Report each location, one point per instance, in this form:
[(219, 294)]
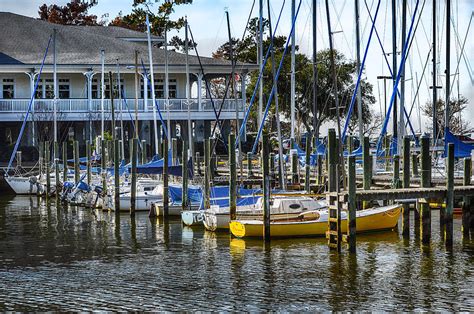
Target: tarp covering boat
[(461, 149)]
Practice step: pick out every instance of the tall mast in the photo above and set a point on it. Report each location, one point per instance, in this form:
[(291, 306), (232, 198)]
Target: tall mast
[(102, 94), (55, 97), (435, 89), (315, 79), (136, 93), (402, 82), (152, 82), (448, 68), (292, 85), (122, 146), (167, 96), (260, 60), (190, 130), (394, 67), (359, 95)]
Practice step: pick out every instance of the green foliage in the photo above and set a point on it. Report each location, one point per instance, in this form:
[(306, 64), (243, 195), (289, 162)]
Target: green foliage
[(73, 13)]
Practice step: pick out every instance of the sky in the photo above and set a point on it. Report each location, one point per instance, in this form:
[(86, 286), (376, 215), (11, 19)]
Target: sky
[(207, 21)]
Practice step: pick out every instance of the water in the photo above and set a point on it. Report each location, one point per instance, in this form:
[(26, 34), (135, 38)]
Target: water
[(74, 259)]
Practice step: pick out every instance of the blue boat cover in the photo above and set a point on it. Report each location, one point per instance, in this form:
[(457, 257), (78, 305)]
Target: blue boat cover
[(461, 149)]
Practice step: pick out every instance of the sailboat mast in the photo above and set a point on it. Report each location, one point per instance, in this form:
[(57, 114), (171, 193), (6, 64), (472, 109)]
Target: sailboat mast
[(435, 89), (394, 68), (401, 132), (102, 94), (260, 60), (448, 59), (188, 101), (315, 79), (136, 94), (152, 82), (55, 97), (359, 94), (119, 83), (167, 94), (292, 78)]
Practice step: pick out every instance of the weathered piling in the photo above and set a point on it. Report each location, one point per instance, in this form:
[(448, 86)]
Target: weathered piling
[(448, 234), (174, 150), (406, 184), (351, 230), (332, 160), (424, 208), (233, 179), (207, 177), (249, 165), (77, 174), (144, 158), (165, 179), (319, 170), (396, 172), (294, 167), (307, 181), (103, 159), (56, 171), (466, 204), (184, 168), (18, 158), (121, 155), (41, 162), (272, 166), (366, 164), (414, 161), (47, 158), (88, 164), (133, 190), (266, 188), (65, 161), (116, 176)]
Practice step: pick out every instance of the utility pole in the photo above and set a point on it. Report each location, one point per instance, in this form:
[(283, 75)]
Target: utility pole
[(359, 95)]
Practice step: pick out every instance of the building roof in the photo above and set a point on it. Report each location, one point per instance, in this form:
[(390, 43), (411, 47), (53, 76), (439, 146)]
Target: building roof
[(24, 40)]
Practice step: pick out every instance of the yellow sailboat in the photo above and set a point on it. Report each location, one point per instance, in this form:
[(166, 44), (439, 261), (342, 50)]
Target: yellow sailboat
[(315, 223)]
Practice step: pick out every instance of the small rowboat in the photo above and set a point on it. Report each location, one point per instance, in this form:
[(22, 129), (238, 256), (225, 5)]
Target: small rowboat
[(315, 223)]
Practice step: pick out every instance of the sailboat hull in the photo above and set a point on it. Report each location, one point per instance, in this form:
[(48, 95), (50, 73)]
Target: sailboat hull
[(21, 185)]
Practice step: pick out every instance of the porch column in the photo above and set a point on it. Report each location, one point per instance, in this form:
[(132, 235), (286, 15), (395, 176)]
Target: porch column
[(32, 76), (199, 90), (89, 75)]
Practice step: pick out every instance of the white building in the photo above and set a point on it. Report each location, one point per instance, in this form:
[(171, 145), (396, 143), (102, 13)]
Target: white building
[(22, 46)]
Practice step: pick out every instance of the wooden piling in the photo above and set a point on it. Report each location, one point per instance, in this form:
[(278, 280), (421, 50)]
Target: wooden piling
[(396, 183), (249, 165), (133, 192), (414, 161), (207, 177), (351, 230), (332, 160), (88, 156), (425, 211), (266, 188), (307, 181), (41, 164), (272, 167), (165, 179), (406, 184), (466, 204), (448, 235), (366, 164), (77, 174), (116, 148), (294, 167), (47, 158), (233, 179), (103, 159), (319, 170), (65, 168), (174, 150), (184, 165), (56, 171), (144, 158)]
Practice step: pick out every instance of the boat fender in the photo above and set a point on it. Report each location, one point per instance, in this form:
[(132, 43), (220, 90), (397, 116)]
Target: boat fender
[(33, 179)]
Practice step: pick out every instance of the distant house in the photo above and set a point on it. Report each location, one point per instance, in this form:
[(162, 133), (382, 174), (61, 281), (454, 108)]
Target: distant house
[(22, 46)]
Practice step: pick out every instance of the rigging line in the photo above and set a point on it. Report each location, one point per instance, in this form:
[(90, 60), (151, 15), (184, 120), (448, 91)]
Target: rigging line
[(419, 84), (366, 24), (462, 53), (163, 124), (338, 16), (15, 148), (468, 65), (260, 74)]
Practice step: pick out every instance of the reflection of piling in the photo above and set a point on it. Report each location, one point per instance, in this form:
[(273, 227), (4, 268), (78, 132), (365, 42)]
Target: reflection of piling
[(184, 165), (65, 161), (449, 196), (424, 208), (266, 188), (207, 169), (233, 179), (165, 179), (406, 184), (47, 158), (352, 205), (466, 204), (133, 191)]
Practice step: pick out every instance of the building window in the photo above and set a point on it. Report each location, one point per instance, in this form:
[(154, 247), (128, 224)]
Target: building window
[(63, 88), (48, 89), (96, 86), (8, 89), (160, 89)]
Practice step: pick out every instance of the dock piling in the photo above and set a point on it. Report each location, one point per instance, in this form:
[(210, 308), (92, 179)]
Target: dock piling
[(144, 158), (65, 161), (351, 230), (307, 180), (249, 165), (56, 171), (184, 165), (88, 156), (133, 192), (116, 176), (425, 211), (266, 188), (294, 167), (233, 179), (466, 204), (77, 174), (406, 184), (448, 235), (165, 179), (47, 158), (366, 164), (207, 177)]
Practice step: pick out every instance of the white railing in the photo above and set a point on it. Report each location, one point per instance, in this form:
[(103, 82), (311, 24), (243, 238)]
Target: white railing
[(83, 105)]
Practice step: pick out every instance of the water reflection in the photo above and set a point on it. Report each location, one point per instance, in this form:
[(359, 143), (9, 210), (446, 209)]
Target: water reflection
[(68, 258)]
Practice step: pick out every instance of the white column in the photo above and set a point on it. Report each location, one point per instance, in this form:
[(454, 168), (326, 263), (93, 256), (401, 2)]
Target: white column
[(199, 90), (32, 76), (145, 93), (89, 75)]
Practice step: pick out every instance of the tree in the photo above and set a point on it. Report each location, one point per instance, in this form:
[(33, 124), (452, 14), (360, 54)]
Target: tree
[(457, 124), (246, 51), (73, 13), (159, 21)]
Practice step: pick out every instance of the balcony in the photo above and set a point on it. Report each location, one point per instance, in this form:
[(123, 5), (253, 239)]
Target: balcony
[(82, 110)]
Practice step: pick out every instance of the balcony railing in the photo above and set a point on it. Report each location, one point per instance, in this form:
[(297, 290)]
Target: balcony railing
[(82, 105)]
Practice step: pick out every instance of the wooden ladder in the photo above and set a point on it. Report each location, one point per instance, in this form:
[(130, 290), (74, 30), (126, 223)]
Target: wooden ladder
[(334, 233)]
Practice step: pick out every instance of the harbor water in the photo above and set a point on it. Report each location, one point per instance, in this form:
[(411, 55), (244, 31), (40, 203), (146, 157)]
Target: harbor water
[(74, 259)]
